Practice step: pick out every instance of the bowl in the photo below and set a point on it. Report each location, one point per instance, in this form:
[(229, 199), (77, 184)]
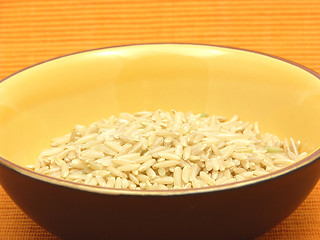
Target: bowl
[(48, 99)]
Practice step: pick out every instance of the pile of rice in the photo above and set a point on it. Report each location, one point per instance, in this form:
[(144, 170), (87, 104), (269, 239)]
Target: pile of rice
[(165, 150)]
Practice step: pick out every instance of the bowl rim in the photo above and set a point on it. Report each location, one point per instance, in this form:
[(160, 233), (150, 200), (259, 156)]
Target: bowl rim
[(314, 156)]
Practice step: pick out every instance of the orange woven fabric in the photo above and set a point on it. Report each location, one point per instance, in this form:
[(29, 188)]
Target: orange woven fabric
[(33, 31)]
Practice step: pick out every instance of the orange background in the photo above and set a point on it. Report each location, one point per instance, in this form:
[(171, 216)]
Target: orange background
[(33, 31)]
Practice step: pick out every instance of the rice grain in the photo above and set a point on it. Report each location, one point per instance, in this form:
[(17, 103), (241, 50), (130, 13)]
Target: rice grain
[(165, 150)]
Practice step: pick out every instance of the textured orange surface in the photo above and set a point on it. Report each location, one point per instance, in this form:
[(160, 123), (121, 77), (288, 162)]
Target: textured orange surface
[(33, 31)]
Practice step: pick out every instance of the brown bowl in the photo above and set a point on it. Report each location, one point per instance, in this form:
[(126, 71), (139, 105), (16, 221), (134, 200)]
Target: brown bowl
[(47, 100)]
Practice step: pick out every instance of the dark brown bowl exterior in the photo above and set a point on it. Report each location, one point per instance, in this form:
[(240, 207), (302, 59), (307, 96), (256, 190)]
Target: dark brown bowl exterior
[(235, 213)]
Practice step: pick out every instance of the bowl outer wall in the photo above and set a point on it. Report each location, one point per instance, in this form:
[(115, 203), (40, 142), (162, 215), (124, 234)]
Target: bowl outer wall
[(238, 213)]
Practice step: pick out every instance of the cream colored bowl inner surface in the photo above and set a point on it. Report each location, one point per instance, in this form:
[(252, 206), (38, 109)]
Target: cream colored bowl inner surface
[(47, 100)]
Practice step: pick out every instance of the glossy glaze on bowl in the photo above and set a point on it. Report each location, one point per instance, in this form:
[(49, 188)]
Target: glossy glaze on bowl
[(47, 100)]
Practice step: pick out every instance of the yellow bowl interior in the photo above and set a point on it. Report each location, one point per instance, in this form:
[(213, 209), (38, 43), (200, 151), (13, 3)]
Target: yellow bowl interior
[(47, 100)]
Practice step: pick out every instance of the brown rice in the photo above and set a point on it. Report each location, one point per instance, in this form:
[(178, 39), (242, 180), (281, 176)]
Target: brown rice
[(165, 150)]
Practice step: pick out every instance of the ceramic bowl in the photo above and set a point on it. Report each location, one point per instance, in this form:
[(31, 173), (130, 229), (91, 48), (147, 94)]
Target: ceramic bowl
[(48, 99)]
